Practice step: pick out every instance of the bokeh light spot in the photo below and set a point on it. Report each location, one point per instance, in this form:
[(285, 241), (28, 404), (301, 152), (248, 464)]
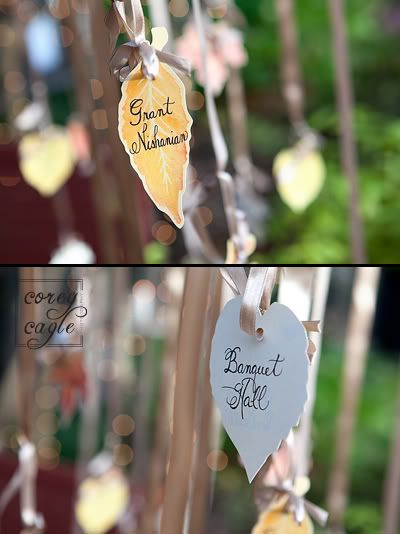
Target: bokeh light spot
[(144, 290), (206, 215), (59, 10), (165, 234), (135, 345), (123, 425), (47, 423), (217, 460), (195, 100), (123, 454), (179, 8), (97, 89), (218, 12), (163, 293), (100, 121), (47, 397)]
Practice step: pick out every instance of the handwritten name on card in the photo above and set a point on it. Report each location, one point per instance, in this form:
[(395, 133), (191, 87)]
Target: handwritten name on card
[(154, 127), (260, 387)]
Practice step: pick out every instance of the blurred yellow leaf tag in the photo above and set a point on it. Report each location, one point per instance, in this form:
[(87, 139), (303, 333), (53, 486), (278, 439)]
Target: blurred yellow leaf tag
[(46, 159), (277, 520), (154, 127), (101, 502), (300, 177)]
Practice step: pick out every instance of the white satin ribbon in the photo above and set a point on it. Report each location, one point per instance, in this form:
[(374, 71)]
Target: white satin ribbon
[(236, 278), (298, 504), (219, 146), (24, 480), (256, 291), (125, 58), (260, 285)]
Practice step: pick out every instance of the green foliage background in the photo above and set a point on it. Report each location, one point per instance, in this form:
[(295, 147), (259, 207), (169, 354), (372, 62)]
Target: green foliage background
[(321, 233)]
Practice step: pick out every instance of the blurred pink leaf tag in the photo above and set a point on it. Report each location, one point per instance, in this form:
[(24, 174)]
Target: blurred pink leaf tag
[(225, 50), (260, 387)]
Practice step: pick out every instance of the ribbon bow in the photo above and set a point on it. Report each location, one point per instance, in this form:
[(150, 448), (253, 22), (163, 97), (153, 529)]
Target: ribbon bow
[(127, 56), (24, 480), (297, 504)]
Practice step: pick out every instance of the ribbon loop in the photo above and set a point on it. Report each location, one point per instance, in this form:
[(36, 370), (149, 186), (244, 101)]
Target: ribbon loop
[(235, 218), (236, 278), (127, 56), (136, 33), (258, 291), (311, 326), (270, 282), (151, 65)]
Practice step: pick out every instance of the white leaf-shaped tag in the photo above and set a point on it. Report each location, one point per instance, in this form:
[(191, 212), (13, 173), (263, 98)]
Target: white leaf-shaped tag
[(260, 387)]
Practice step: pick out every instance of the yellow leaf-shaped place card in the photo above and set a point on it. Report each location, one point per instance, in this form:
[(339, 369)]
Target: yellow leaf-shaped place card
[(300, 177), (46, 159), (278, 520), (154, 127), (101, 501)]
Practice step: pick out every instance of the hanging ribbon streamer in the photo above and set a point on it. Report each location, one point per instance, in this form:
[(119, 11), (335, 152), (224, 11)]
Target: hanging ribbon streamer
[(220, 149), (24, 478), (127, 56), (347, 144), (291, 78), (256, 290), (217, 138), (236, 278), (299, 171), (292, 84), (303, 437)]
